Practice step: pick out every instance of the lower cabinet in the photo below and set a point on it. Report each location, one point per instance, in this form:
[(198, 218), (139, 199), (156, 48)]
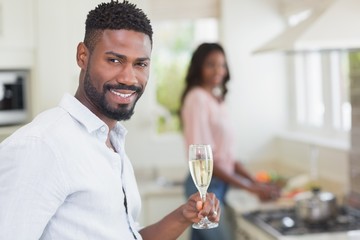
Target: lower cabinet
[(248, 231), (157, 204)]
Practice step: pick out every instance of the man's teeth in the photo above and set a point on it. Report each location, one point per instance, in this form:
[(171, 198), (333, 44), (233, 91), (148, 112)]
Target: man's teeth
[(123, 95)]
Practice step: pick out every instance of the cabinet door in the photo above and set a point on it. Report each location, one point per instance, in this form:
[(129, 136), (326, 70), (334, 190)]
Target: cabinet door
[(157, 206), (16, 24), (16, 33)]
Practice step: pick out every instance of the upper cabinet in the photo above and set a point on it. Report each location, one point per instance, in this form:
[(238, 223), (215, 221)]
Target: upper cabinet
[(16, 33)]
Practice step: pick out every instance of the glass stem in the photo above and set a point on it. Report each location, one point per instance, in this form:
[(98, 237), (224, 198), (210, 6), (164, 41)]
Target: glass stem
[(203, 196)]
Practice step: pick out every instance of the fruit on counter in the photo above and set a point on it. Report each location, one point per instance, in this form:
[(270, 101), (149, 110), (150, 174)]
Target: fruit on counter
[(262, 176), (298, 181), (312, 184), (267, 176), (292, 193), (297, 184), (271, 177)]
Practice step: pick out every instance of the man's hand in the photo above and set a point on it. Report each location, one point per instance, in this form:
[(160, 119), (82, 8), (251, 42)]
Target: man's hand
[(195, 209)]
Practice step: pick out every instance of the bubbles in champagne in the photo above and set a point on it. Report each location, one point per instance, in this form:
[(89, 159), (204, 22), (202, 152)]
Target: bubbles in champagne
[(201, 172)]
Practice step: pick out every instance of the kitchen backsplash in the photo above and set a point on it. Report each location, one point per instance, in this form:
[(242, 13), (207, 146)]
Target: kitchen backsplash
[(355, 130)]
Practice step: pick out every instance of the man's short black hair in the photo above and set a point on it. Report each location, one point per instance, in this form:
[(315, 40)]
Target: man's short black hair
[(115, 15)]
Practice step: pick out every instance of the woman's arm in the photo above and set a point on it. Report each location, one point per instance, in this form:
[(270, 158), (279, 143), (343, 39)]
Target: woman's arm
[(240, 178), (232, 178), (240, 169)]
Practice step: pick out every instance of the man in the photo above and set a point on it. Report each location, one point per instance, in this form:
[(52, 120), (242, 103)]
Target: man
[(66, 174)]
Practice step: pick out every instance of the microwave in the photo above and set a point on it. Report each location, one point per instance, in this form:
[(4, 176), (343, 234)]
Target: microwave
[(13, 97)]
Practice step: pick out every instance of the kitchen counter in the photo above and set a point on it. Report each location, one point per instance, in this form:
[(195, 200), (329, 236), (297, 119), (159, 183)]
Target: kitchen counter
[(242, 202), (148, 189)]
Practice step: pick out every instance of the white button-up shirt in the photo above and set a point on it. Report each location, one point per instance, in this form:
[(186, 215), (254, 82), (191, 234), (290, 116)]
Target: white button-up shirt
[(58, 179)]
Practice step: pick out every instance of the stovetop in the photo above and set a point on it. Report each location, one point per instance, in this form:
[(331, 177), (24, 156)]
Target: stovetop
[(283, 222)]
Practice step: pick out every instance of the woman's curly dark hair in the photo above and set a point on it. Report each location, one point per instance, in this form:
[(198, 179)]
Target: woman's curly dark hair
[(115, 15)]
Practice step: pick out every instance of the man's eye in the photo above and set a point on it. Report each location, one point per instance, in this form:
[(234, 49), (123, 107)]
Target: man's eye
[(142, 64), (114, 60)]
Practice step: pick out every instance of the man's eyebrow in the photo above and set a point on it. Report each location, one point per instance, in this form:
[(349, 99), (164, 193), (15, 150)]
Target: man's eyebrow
[(118, 55)]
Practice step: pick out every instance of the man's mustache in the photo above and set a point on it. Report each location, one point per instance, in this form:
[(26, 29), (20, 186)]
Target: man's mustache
[(124, 87)]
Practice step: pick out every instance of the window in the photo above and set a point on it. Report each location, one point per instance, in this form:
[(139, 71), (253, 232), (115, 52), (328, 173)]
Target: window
[(179, 26), (321, 92), (174, 44), (321, 86)]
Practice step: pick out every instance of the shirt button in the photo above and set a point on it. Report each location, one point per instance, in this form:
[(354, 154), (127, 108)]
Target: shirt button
[(103, 129)]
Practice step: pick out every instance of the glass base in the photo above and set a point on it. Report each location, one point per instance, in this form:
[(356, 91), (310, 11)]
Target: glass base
[(205, 224)]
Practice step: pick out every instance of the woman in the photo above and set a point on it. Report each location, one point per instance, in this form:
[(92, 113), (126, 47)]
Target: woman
[(205, 120)]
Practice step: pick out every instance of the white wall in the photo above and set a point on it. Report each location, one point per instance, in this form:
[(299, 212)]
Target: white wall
[(258, 88), (329, 166), (60, 26)]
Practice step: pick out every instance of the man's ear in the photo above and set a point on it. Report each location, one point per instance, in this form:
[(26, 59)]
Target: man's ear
[(82, 55)]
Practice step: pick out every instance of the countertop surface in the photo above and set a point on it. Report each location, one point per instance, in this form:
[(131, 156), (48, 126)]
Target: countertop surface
[(160, 187), (241, 202)]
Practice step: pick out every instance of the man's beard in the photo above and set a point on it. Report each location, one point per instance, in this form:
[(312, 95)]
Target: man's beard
[(122, 112)]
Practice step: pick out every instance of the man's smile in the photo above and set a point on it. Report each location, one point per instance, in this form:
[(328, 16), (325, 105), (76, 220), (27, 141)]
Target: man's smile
[(123, 96)]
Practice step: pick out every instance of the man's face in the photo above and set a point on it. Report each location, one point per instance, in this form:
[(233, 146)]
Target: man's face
[(117, 73)]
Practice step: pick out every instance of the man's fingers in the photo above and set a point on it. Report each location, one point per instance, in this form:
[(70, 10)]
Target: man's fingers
[(199, 205)]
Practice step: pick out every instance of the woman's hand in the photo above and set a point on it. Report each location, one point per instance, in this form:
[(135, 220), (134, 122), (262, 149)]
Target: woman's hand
[(194, 209), (266, 192)]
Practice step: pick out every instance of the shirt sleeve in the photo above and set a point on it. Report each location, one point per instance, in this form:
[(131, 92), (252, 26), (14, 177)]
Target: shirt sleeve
[(196, 119), (31, 188)]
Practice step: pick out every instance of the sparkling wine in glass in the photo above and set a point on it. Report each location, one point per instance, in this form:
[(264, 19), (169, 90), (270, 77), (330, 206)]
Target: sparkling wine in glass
[(201, 169)]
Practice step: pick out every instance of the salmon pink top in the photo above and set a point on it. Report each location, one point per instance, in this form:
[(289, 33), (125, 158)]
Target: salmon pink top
[(206, 121)]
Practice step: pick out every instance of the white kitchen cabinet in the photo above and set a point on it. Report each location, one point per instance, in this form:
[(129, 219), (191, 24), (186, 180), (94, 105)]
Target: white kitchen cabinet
[(16, 23), (17, 33), (158, 201), (247, 231)]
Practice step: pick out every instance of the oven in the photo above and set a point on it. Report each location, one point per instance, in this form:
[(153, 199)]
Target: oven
[(13, 96), (282, 224)]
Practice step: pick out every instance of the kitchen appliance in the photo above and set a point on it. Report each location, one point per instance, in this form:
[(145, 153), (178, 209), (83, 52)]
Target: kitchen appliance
[(284, 223), (13, 96), (315, 206)]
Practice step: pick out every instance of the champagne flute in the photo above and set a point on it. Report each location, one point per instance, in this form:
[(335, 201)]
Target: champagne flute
[(201, 169)]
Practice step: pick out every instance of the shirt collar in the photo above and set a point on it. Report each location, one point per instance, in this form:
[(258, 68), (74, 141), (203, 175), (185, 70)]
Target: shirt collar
[(84, 116)]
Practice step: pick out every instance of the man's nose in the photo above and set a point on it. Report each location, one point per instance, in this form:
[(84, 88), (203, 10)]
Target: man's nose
[(127, 75)]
